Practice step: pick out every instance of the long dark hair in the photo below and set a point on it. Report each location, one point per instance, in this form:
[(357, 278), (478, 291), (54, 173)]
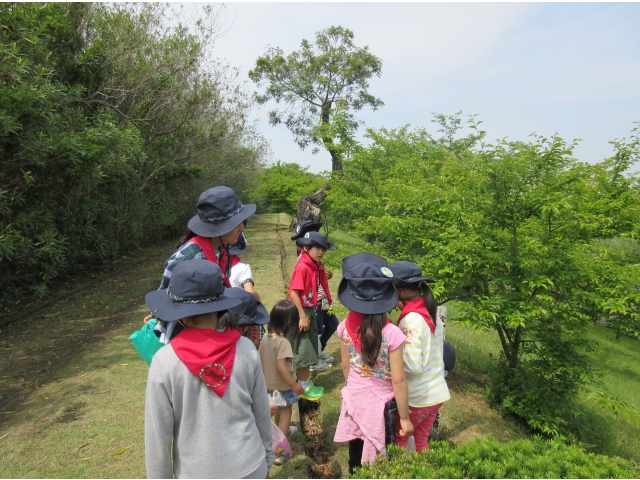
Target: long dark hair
[(284, 318), (188, 235), (371, 337), (427, 295)]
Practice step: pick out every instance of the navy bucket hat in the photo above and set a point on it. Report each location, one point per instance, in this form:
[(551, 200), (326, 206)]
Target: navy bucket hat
[(368, 288), (252, 312), (406, 273), (315, 239), (304, 227), (361, 257), (219, 212), (240, 246), (195, 288)]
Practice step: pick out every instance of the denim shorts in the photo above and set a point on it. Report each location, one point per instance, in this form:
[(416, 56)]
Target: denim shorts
[(289, 396)]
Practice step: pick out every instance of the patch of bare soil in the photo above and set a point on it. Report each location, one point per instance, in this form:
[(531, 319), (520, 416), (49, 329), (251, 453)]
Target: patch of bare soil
[(317, 445)]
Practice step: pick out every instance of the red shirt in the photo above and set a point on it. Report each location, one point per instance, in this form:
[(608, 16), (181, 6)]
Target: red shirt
[(305, 278)]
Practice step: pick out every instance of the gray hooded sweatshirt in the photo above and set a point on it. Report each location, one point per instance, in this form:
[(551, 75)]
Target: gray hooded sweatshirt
[(208, 436)]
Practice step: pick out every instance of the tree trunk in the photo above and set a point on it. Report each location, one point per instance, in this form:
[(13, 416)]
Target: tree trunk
[(308, 206), (336, 161)]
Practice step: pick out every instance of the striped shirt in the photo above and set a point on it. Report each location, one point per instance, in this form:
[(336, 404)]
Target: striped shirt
[(423, 363)]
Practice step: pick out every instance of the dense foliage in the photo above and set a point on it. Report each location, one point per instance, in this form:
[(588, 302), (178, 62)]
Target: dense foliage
[(280, 186), (488, 458), (111, 123), (515, 232), (308, 84)]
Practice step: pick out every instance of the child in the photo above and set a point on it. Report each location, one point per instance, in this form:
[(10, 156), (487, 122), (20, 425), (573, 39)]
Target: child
[(241, 276), (252, 313), (371, 348), (206, 396), (308, 280), (220, 220), (423, 350), (327, 324), (276, 356), (304, 227)]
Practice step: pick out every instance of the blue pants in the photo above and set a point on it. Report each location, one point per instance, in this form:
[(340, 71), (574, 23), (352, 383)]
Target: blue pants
[(327, 325)]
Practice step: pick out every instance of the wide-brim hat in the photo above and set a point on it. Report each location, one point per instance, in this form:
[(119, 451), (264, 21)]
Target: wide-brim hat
[(368, 288), (240, 246), (195, 288), (406, 273), (219, 212), (251, 311), (306, 226), (362, 257), (315, 239)]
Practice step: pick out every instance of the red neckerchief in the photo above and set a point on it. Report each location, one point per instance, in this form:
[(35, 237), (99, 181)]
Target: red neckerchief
[(420, 308), (353, 324), (209, 354), (320, 272), (205, 244)]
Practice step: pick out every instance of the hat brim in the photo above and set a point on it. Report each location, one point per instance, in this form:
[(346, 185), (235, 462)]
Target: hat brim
[(311, 227), (398, 282), (262, 317), (309, 242), (373, 307), (206, 229), (164, 309)]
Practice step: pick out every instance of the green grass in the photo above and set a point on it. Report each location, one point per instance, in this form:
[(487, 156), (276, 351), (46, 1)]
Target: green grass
[(72, 387)]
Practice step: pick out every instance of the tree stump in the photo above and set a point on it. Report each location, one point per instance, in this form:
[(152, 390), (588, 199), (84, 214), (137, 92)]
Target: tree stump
[(309, 207)]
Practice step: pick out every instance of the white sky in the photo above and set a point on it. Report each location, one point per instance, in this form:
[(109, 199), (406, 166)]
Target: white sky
[(571, 68)]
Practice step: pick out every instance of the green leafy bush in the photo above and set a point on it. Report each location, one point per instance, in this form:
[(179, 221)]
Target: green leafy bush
[(280, 186), (488, 458), (509, 232), (112, 121)]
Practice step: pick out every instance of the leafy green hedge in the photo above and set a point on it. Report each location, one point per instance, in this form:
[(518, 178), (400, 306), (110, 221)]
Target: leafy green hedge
[(112, 121), (488, 458)]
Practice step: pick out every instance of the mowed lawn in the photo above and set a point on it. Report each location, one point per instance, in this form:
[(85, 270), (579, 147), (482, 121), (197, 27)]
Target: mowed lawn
[(72, 386)]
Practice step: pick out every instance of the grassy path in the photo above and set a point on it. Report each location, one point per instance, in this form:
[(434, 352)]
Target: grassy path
[(72, 386)]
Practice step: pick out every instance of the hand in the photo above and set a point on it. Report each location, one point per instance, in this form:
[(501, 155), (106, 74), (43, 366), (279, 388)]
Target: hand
[(304, 324), (254, 335), (297, 389), (146, 319), (329, 274), (406, 428), (273, 409)]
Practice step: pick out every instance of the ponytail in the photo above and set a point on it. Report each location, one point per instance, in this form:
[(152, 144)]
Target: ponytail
[(430, 301), (371, 337), (427, 296)]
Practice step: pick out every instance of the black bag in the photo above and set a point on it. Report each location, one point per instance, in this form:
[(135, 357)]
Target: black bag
[(390, 412)]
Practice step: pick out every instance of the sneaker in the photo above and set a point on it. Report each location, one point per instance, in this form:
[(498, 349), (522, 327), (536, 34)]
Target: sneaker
[(323, 357), (320, 366), (292, 430), (313, 393)]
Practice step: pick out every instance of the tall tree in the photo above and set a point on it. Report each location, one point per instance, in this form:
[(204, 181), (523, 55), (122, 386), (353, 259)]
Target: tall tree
[(311, 81)]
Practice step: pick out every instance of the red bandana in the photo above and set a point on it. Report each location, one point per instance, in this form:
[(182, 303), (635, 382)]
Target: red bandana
[(205, 244), (209, 354), (321, 274), (419, 307), (353, 324)]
